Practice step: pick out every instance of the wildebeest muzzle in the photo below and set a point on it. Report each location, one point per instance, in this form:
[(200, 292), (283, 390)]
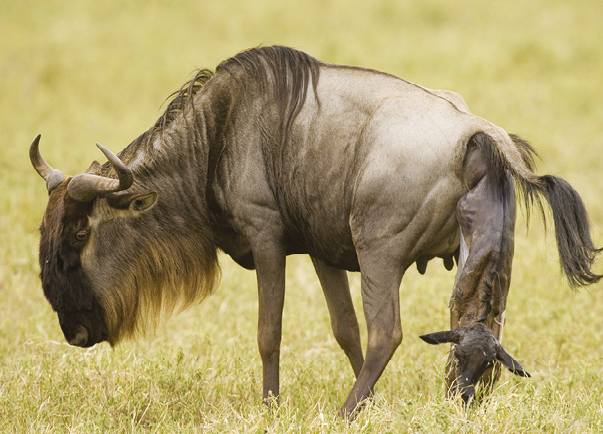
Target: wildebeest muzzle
[(83, 328)]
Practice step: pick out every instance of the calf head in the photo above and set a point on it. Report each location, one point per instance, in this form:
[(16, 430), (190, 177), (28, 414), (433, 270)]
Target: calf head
[(475, 350)]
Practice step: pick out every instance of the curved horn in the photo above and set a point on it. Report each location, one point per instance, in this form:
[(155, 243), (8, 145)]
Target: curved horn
[(126, 179), (85, 187), (53, 177)]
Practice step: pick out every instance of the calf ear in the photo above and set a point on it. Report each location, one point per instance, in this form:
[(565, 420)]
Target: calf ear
[(452, 336), (509, 362)]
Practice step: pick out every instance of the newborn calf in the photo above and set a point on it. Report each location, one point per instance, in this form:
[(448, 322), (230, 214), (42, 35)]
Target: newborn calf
[(475, 349)]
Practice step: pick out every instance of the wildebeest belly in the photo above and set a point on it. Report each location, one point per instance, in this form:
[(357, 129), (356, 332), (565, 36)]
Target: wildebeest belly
[(388, 161), (389, 169), (314, 197)]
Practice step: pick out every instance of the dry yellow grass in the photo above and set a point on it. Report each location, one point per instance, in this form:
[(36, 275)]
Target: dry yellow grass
[(82, 72)]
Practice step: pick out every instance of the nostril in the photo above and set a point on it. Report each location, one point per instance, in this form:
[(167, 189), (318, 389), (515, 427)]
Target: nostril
[(468, 394), (81, 337)]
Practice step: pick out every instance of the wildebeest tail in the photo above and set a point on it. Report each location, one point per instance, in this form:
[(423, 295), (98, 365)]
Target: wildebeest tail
[(577, 251), (576, 248)]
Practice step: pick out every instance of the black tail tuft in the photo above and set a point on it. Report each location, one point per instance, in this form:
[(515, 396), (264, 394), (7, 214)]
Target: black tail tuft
[(577, 252)]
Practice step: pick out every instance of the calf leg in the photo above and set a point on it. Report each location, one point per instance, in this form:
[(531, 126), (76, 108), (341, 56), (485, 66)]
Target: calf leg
[(344, 322), (486, 217)]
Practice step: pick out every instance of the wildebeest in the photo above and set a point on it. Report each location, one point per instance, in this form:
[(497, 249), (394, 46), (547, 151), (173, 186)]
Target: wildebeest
[(277, 153)]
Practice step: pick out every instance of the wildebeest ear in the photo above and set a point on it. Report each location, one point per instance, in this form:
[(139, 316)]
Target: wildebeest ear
[(509, 362), (133, 201), (143, 202), (450, 336), (95, 165)]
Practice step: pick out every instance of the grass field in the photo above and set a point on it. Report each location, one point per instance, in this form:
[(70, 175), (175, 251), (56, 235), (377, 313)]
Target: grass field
[(82, 72)]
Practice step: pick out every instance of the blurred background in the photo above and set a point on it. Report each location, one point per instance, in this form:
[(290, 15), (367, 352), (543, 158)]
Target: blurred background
[(91, 71)]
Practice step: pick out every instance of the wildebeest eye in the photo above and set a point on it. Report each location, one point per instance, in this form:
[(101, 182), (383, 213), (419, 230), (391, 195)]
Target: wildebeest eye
[(81, 235)]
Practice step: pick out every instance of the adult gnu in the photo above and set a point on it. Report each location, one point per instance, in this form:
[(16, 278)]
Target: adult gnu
[(277, 153)]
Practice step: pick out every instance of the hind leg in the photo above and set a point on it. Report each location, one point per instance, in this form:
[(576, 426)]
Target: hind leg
[(380, 297), (486, 217), (344, 322)]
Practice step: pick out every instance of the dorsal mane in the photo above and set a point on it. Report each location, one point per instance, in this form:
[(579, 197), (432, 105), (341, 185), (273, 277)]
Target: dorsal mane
[(178, 103), (180, 99), (286, 70)]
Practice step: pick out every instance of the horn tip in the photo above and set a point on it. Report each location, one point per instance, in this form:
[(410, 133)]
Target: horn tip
[(36, 139)]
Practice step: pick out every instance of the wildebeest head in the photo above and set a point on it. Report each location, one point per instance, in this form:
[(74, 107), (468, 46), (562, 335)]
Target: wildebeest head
[(114, 259), (66, 233), (475, 350)]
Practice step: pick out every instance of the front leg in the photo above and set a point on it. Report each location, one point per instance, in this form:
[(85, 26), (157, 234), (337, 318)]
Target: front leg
[(269, 255)]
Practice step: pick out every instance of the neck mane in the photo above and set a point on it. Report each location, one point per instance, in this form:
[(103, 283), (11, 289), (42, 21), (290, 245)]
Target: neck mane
[(177, 157)]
